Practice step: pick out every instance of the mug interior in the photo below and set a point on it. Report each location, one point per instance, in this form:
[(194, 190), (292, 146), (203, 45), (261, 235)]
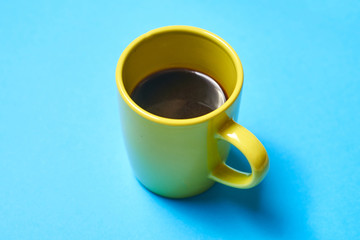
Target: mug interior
[(179, 47)]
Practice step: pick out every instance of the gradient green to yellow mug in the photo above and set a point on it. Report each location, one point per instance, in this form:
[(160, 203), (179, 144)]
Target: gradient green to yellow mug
[(181, 158)]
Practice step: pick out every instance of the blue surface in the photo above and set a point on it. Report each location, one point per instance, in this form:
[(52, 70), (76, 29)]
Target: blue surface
[(64, 172)]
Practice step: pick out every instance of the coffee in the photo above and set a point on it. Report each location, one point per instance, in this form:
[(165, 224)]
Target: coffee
[(178, 93)]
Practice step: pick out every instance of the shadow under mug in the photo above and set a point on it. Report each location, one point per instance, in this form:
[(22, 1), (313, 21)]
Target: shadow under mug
[(183, 157)]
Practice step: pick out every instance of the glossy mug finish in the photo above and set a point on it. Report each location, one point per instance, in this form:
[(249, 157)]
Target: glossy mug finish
[(183, 157)]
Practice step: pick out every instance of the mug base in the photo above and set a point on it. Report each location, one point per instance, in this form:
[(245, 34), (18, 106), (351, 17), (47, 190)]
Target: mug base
[(178, 195)]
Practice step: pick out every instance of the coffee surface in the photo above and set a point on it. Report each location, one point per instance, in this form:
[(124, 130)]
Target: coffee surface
[(179, 94)]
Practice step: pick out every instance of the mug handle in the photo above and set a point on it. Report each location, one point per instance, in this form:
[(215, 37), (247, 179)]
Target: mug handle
[(251, 148)]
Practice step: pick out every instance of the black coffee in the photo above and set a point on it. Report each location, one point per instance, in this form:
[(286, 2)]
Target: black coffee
[(178, 93)]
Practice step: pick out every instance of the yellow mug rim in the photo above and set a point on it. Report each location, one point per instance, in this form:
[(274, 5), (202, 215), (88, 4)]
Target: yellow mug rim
[(180, 122)]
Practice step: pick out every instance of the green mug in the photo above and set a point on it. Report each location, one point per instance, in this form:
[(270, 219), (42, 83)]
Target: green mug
[(180, 158)]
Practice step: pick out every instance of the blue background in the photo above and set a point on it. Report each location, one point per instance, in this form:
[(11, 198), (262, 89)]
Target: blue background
[(64, 172)]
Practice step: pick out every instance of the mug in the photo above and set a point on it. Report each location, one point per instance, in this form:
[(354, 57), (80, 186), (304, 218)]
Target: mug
[(180, 158)]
